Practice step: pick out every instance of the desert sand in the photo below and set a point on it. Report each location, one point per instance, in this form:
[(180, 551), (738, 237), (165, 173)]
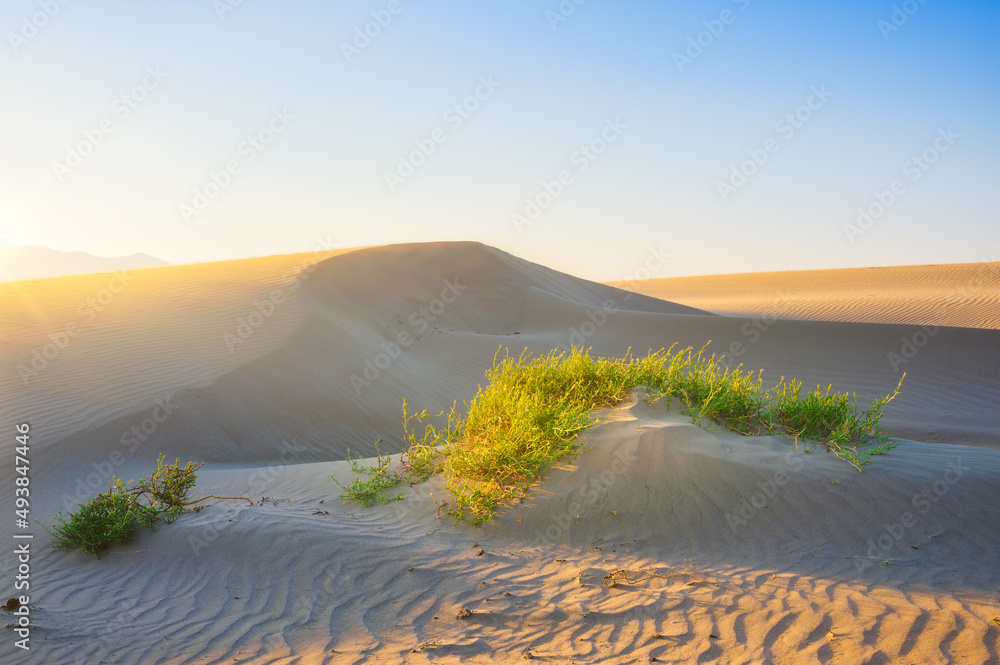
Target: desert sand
[(965, 295), (662, 540)]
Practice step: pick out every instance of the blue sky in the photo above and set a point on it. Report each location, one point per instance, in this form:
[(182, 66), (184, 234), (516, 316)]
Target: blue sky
[(193, 87)]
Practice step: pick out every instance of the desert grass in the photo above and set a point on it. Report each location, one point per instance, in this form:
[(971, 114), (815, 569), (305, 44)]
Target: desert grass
[(532, 409), (371, 481)]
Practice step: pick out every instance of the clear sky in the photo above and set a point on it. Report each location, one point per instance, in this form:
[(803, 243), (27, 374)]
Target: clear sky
[(732, 135)]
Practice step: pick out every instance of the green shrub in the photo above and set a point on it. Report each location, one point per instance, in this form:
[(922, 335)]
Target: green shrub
[(531, 411), (108, 519), (112, 517)]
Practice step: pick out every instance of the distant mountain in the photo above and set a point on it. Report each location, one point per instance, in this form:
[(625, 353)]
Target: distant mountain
[(32, 262)]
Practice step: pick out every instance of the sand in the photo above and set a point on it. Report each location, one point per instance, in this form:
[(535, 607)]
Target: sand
[(662, 540), (965, 295)]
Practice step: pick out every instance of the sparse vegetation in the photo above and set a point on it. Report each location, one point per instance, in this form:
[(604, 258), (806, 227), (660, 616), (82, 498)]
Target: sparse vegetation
[(112, 517), (371, 481), (419, 462), (532, 409)]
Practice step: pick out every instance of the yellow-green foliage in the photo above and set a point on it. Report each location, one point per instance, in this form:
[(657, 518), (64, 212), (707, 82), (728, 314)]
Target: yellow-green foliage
[(367, 491), (531, 410)]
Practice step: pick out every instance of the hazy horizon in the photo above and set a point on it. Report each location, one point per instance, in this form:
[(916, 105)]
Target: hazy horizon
[(634, 277)]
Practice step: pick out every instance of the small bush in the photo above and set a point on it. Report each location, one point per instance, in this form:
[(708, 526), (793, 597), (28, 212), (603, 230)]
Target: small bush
[(112, 517)]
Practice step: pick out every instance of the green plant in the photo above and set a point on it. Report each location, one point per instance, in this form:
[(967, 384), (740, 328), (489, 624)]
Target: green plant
[(526, 419), (420, 459), (167, 488), (112, 517), (532, 409), (370, 490)]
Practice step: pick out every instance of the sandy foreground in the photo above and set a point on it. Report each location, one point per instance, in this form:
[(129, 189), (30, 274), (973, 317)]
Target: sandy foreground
[(663, 540)]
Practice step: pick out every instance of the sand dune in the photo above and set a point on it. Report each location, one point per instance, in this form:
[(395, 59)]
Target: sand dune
[(964, 295), (79, 350), (729, 549)]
